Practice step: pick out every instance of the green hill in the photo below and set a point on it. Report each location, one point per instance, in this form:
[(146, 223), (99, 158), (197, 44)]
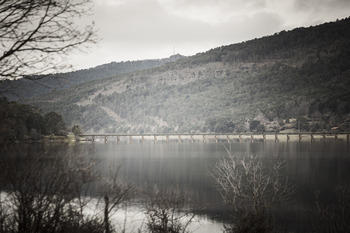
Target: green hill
[(294, 79)]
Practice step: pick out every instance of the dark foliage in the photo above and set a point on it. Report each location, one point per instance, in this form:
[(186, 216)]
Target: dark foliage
[(21, 122)]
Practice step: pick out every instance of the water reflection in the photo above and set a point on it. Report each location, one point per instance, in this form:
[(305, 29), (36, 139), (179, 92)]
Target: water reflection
[(312, 166)]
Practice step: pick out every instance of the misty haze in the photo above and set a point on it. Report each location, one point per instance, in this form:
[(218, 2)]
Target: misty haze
[(174, 116)]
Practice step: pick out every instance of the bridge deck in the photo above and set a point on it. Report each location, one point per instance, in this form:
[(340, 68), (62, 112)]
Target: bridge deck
[(222, 136), (205, 134)]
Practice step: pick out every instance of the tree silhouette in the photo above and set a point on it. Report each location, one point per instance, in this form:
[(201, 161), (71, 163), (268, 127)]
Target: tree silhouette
[(36, 34)]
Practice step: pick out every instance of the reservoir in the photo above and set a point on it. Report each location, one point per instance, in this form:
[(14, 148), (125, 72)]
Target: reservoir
[(318, 167)]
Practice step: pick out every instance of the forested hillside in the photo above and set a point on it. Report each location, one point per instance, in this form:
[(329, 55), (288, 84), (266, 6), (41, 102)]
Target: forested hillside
[(32, 86), (295, 80)]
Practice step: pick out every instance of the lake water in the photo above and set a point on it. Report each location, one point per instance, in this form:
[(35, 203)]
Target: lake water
[(312, 166)]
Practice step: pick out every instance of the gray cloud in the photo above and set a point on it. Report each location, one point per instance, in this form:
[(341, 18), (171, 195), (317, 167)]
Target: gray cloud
[(139, 29), (148, 22), (307, 5)]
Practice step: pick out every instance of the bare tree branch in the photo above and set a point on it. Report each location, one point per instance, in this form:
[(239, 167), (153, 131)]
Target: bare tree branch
[(36, 34), (251, 188)]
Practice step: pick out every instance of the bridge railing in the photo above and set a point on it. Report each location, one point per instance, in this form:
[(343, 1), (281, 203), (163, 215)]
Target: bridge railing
[(219, 136)]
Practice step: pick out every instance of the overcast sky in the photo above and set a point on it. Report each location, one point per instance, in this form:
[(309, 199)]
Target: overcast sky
[(152, 29)]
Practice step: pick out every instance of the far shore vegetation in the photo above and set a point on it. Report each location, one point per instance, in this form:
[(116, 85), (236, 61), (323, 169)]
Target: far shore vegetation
[(21, 123)]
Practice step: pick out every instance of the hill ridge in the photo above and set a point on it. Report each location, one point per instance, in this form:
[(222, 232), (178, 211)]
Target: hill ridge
[(28, 87), (292, 80)]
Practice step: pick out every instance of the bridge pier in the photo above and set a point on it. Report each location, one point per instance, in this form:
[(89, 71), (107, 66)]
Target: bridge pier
[(218, 137)]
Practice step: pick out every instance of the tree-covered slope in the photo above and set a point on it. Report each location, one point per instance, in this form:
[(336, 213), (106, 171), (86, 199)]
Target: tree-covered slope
[(299, 78), (32, 86)]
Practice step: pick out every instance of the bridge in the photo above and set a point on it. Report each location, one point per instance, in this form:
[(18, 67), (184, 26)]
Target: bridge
[(217, 137)]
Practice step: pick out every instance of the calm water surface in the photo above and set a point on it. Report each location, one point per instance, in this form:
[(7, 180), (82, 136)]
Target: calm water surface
[(317, 166)]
